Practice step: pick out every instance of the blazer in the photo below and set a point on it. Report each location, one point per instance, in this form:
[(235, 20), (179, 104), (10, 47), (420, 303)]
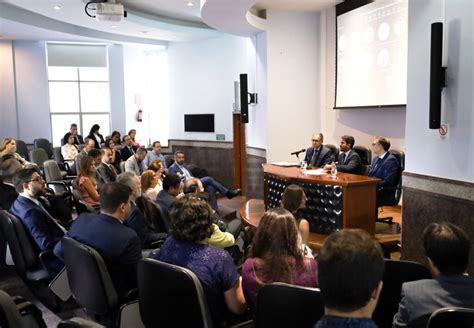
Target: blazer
[(118, 245), (45, 232), (165, 200), (175, 169), (136, 221), (422, 297), (96, 144), (78, 140), (389, 171), (351, 163), (324, 157), (106, 173), (132, 165), (8, 195), (125, 152)]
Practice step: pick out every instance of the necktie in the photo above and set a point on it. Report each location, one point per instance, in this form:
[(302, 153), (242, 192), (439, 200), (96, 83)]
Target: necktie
[(375, 166), (314, 158), (343, 159), (140, 167), (112, 169)]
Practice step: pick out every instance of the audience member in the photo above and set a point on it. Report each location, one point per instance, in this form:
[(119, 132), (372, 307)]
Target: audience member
[(155, 154), (8, 148), (447, 248), (88, 146), (8, 193), (211, 185), (132, 133), (293, 200), (348, 160), (116, 137), (136, 219), (156, 166), (69, 151), (172, 190), (151, 184), (128, 149), (87, 182), (115, 158), (214, 267), (386, 167), (276, 256), (118, 245), (135, 163), (96, 154), (106, 170), (78, 140), (318, 155), (96, 136), (350, 273)]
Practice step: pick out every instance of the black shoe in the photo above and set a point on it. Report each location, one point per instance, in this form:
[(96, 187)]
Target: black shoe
[(232, 193)]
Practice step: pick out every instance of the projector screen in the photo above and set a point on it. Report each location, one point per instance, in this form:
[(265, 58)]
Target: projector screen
[(371, 55)]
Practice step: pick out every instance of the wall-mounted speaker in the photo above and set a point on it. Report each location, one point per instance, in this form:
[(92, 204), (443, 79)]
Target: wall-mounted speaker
[(244, 104), (437, 74)]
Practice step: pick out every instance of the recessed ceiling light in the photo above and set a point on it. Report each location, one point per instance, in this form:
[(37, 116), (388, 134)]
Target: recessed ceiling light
[(190, 3), (56, 7), (113, 26)]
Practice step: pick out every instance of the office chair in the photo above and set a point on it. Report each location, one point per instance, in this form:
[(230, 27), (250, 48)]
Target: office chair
[(396, 273), (44, 144), (169, 160), (18, 312), (334, 150), (452, 317), (22, 149), (154, 215), (38, 156), (365, 159), (177, 294)]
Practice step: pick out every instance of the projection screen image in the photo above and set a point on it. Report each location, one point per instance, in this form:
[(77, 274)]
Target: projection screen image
[(371, 55)]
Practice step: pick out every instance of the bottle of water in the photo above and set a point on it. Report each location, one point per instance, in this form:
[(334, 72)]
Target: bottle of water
[(333, 170)]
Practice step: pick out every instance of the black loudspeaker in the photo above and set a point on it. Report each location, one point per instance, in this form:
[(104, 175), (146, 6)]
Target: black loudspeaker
[(437, 74), (244, 102)]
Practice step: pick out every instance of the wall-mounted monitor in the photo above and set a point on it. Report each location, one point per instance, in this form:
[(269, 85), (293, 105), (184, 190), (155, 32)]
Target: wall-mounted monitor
[(199, 122)]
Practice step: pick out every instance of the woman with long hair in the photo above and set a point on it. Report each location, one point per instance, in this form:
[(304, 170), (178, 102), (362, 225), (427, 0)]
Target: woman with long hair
[(151, 183), (8, 149), (86, 181), (69, 151), (96, 136), (116, 157), (116, 137), (132, 133), (276, 256), (293, 200)]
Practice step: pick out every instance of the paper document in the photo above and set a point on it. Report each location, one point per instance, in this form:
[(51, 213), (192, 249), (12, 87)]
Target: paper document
[(285, 164), (315, 172)]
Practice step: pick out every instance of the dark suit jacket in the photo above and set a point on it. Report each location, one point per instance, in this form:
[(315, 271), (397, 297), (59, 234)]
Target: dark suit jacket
[(44, 231), (422, 297), (136, 221), (8, 195), (351, 163), (126, 153), (118, 245), (96, 144), (165, 200), (78, 140), (389, 171), (175, 169), (324, 157), (106, 174)]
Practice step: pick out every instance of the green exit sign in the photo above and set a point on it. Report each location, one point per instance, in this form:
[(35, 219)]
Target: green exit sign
[(220, 137)]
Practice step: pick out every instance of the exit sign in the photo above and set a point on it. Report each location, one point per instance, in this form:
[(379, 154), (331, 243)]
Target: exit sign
[(220, 137)]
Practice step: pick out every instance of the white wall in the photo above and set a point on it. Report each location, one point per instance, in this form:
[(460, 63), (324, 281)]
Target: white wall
[(293, 68), (452, 157), (116, 85), (8, 122), (201, 81)]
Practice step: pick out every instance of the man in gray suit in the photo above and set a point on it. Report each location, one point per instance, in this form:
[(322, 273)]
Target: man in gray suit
[(318, 155), (447, 249), (135, 162)]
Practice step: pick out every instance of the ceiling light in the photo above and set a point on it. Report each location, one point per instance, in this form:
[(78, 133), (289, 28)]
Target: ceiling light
[(190, 3), (113, 26), (56, 7)]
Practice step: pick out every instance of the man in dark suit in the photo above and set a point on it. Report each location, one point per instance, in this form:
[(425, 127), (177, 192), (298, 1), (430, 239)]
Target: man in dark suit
[(106, 171), (318, 155), (88, 146), (8, 193), (118, 245), (384, 166), (348, 160), (172, 188), (128, 148), (447, 248), (78, 140)]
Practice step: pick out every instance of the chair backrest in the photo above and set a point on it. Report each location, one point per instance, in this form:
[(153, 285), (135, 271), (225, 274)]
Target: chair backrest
[(364, 153), (175, 291), (452, 317), (88, 277), (44, 144), (81, 205), (9, 315), (24, 252), (154, 214), (38, 156), (52, 171), (57, 155), (284, 305), (400, 155), (169, 160), (122, 166), (22, 149), (334, 150), (396, 273)]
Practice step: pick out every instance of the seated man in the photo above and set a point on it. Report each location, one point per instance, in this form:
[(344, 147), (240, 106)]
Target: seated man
[(88, 146), (210, 184), (318, 155), (385, 166), (155, 155), (447, 249), (135, 163), (78, 140), (8, 193), (128, 148), (172, 191), (118, 245), (136, 219), (105, 170), (350, 273), (348, 160)]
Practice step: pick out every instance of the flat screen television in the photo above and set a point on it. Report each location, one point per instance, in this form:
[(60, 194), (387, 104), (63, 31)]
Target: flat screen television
[(199, 122)]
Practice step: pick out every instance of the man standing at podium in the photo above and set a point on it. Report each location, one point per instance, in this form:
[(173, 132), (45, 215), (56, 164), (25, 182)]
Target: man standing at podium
[(318, 155)]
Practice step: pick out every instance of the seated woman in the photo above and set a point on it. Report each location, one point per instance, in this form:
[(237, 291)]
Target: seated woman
[(276, 256), (190, 227), (70, 151), (116, 157), (8, 149), (96, 136), (86, 181), (294, 199), (132, 133), (151, 183)]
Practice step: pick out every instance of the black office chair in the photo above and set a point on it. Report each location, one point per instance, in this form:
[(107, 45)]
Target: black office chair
[(93, 289), (334, 150), (365, 159), (78, 322), (22, 149), (169, 160), (452, 317), (396, 273), (156, 218), (284, 305), (175, 291), (18, 312), (44, 144)]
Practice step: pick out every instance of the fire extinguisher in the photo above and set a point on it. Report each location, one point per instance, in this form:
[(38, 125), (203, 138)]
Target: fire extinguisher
[(139, 115)]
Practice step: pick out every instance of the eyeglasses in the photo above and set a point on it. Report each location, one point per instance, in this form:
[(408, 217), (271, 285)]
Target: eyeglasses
[(37, 179), (315, 140)]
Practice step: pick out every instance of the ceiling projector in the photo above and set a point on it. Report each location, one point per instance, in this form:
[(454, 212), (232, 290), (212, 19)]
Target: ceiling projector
[(109, 12)]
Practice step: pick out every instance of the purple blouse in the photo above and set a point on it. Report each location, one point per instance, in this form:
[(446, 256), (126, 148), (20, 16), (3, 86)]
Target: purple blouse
[(307, 277)]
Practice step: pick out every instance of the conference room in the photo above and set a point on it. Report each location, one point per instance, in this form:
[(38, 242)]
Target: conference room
[(176, 71)]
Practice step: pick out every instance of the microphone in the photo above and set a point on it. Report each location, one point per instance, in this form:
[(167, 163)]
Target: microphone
[(298, 152)]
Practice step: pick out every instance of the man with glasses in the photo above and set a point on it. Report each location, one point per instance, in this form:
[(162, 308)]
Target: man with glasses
[(128, 148), (318, 155)]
